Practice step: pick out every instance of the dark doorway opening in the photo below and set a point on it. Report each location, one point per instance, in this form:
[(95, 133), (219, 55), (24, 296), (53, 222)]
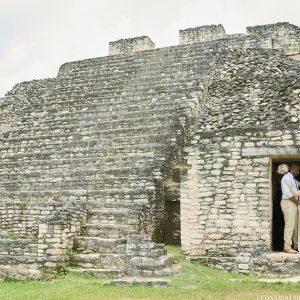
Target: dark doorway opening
[(277, 217)]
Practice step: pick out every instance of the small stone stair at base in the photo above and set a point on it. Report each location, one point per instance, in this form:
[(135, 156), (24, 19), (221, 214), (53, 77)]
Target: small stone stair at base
[(98, 273), (141, 281), (147, 258), (100, 250)]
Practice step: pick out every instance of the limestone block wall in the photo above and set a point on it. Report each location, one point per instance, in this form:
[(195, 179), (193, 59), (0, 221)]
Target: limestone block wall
[(285, 36), (22, 98), (124, 46), (18, 259), (21, 218), (225, 198), (201, 34), (35, 238), (23, 247), (281, 28), (249, 114), (57, 232)]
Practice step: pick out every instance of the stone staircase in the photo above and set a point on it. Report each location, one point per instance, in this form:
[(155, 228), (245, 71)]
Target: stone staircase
[(100, 250), (106, 132)]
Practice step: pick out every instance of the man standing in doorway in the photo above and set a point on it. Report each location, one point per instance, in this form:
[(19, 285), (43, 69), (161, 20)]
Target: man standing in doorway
[(289, 207)]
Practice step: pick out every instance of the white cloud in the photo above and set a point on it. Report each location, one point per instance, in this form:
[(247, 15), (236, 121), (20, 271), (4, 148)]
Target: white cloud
[(38, 36)]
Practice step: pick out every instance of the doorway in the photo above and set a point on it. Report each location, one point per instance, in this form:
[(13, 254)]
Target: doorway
[(277, 215)]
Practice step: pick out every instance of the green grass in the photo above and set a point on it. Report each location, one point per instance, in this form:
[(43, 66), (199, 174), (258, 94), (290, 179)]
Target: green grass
[(193, 281)]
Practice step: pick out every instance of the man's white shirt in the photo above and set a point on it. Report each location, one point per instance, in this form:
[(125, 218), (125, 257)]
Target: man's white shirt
[(285, 189)]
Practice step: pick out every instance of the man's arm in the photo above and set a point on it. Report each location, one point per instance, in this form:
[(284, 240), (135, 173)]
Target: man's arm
[(286, 193), (290, 186), (294, 199)]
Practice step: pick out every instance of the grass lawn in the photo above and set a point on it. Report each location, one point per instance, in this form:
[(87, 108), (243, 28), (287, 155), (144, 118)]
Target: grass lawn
[(192, 281)]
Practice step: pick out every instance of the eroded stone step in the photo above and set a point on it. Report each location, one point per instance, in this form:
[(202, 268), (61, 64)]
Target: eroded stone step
[(87, 245), (108, 100), (110, 216), (149, 273), (120, 206), (135, 281), (106, 261), (93, 160), (108, 230), (73, 150), (107, 171), (99, 273), (91, 134), (93, 123), (65, 117)]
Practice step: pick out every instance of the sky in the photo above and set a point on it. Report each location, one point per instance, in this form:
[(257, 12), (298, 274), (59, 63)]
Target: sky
[(37, 36)]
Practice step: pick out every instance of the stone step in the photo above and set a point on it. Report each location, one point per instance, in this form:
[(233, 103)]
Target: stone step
[(94, 128), (95, 122), (107, 230), (165, 75), (99, 273), (79, 183), (65, 117), (88, 245), (119, 206), (107, 171), (91, 134), (150, 263), (121, 70), (138, 107), (101, 99), (128, 81), (138, 112), (106, 261), (96, 169), (92, 160), (110, 216), (73, 150), (73, 185), (149, 273), (135, 281), (116, 63), (127, 145), (106, 192), (127, 75), (131, 89), (113, 89), (152, 75), (130, 142), (96, 199), (90, 177)]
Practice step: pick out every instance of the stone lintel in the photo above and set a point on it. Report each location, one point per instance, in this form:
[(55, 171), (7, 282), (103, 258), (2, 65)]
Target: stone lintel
[(267, 151)]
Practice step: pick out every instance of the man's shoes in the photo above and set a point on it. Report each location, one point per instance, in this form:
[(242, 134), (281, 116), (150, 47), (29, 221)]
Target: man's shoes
[(290, 250), (296, 249)]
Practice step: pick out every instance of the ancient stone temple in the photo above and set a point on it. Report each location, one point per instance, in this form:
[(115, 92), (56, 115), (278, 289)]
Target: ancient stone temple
[(119, 155)]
